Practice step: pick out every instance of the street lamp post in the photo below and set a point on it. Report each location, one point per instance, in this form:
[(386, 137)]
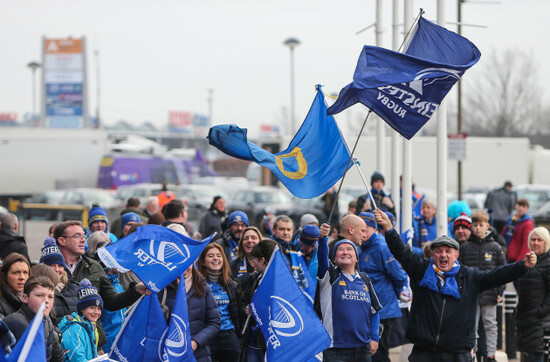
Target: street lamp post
[(292, 43), (33, 66)]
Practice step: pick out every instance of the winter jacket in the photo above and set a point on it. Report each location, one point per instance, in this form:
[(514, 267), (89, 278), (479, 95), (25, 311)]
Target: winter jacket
[(483, 254), (229, 246), (65, 302), (387, 276), (204, 321), (211, 222), (441, 323), (112, 320), (18, 323), (378, 197), (502, 202), (79, 338), (252, 335), (10, 242), (533, 310), (240, 267), (9, 303), (518, 246)]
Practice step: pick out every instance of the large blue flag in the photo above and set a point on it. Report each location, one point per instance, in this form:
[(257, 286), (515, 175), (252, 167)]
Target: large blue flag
[(176, 343), (31, 345), (157, 255), (406, 89), (302, 276), (314, 161), (140, 335), (292, 330)]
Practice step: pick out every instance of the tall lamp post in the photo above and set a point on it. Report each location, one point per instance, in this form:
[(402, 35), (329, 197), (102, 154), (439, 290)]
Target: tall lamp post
[(292, 43), (33, 66)]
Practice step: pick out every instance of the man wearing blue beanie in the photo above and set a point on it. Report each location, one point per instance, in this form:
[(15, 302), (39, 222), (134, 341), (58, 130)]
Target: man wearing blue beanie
[(127, 220), (98, 221), (236, 223)]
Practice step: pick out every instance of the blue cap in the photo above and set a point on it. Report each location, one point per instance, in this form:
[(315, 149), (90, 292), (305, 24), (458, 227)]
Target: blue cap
[(391, 217), (310, 235), (88, 295), (96, 213), (369, 219), (129, 216), (237, 216)]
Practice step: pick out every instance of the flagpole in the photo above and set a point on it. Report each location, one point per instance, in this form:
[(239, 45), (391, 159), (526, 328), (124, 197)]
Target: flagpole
[(349, 161)]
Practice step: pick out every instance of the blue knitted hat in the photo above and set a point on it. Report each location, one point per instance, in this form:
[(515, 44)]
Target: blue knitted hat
[(87, 296), (50, 253), (237, 216), (310, 235), (369, 219), (345, 241), (96, 213)]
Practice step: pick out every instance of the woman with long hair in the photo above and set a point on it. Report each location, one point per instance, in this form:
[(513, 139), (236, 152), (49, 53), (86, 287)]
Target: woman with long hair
[(242, 265), (213, 264), (14, 273), (204, 318)]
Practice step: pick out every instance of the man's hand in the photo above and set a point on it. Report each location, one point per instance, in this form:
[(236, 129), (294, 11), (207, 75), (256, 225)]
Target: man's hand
[(373, 347), (382, 219), (194, 345), (324, 230), (530, 259), (142, 289)]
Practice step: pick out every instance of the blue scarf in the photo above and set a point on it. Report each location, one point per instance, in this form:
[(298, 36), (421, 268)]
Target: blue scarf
[(430, 280)]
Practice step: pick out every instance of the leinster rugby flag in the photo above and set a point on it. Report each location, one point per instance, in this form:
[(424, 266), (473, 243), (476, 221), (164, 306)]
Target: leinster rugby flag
[(176, 340), (406, 89), (291, 328), (140, 336), (313, 162), (157, 255)]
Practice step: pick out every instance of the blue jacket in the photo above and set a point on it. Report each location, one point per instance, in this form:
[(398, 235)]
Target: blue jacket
[(386, 274), (112, 320), (423, 234), (79, 338), (204, 321)]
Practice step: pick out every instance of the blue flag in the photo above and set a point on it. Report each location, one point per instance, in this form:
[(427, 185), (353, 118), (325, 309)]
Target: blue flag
[(157, 255), (406, 89), (302, 276), (292, 330), (32, 345), (176, 343), (315, 159), (140, 335)]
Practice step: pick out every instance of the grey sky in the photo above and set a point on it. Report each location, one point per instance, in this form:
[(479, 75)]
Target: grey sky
[(157, 56)]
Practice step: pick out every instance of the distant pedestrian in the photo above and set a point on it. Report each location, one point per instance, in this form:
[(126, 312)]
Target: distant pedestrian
[(425, 225), (10, 241), (133, 204), (165, 196), (501, 201), (516, 231), (381, 198), (236, 223), (211, 220)]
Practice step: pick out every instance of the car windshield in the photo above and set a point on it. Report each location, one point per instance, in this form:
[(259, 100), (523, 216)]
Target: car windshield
[(536, 198)]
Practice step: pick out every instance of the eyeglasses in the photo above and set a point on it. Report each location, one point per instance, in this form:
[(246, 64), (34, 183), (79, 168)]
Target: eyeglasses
[(77, 236)]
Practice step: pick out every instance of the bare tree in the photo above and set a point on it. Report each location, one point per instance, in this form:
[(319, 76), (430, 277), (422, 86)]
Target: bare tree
[(505, 100)]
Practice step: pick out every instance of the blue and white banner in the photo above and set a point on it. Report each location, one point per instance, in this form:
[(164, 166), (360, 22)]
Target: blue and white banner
[(406, 89), (176, 340), (302, 276), (313, 162), (140, 335), (157, 255), (31, 346), (292, 330)]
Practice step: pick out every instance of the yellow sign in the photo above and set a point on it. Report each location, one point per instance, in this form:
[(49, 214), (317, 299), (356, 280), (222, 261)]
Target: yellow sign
[(302, 164)]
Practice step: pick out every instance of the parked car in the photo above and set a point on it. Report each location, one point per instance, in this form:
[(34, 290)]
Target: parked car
[(198, 198), (52, 197), (537, 195), (259, 201), (542, 216), (89, 196)]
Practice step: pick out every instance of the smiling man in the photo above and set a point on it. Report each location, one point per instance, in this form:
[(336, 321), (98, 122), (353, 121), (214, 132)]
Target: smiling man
[(441, 324)]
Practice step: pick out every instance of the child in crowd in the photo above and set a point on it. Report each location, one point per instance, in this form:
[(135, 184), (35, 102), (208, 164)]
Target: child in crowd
[(80, 334), (483, 252), (37, 289)]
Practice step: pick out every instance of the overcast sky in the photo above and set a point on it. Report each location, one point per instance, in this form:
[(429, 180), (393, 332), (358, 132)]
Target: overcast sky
[(157, 56)]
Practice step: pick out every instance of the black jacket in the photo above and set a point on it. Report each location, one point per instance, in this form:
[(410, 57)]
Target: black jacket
[(9, 303), (11, 243), (483, 254), (18, 323), (442, 323), (533, 310), (249, 284)]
